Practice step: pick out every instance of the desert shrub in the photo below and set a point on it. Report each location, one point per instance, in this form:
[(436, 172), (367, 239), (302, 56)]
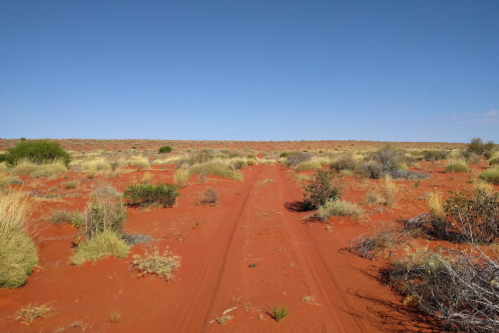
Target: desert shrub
[(106, 191), (385, 238), (297, 157), (72, 184), (345, 162), (101, 214), (477, 146), (251, 161), (469, 217), (193, 158), (61, 216), (251, 157), (456, 167), (339, 208), (164, 265), (434, 155), (239, 164), (494, 161), (216, 168), (306, 166), (458, 289), (103, 244), (37, 151), (27, 167), (146, 194), (280, 311), (491, 175), (283, 155), (139, 162), (3, 158), (209, 197), (319, 189), (165, 149), (18, 254)]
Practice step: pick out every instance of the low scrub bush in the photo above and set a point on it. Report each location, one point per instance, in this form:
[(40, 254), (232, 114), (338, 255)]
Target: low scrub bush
[(209, 197), (477, 146), (251, 161), (18, 254), (37, 151), (103, 244), (491, 175), (318, 190), (385, 238), (71, 184), (106, 192), (434, 155), (280, 311), (297, 157), (215, 168), (457, 289), (165, 149), (61, 216), (307, 166), (345, 162), (494, 161), (146, 194), (339, 208), (239, 164), (164, 266)]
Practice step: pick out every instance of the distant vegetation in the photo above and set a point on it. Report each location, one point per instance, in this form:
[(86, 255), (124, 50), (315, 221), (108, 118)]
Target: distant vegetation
[(37, 151)]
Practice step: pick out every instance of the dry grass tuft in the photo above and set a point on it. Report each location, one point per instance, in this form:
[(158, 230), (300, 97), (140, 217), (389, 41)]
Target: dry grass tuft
[(102, 245), (389, 191), (339, 208), (181, 176), (27, 167), (139, 162), (162, 265), (435, 205), (31, 312), (114, 317), (146, 178)]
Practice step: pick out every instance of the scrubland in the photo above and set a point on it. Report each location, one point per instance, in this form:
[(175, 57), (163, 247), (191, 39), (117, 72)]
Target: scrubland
[(337, 236)]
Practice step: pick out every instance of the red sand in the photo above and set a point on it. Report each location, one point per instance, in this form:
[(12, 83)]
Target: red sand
[(254, 222)]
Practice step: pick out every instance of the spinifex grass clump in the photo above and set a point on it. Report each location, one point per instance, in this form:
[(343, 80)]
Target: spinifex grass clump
[(99, 230), (18, 253), (146, 194), (318, 190), (491, 175), (164, 265), (280, 311)]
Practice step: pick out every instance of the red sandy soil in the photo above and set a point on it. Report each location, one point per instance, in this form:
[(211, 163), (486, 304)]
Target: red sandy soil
[(255, 222)]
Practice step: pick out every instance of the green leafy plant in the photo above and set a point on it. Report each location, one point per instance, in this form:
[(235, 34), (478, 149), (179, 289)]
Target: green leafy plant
[(319, 189), (145, 194), (165, 149), (280, 311), (38, 151)]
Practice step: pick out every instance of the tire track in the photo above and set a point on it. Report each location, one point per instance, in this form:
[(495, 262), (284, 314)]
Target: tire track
[(192, 315), (313, 263)]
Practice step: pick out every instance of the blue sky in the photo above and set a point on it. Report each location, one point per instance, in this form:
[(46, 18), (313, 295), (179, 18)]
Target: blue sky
[(250, 70)]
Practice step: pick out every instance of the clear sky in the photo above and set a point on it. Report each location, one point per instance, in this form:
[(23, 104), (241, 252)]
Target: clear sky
[(401, 70)]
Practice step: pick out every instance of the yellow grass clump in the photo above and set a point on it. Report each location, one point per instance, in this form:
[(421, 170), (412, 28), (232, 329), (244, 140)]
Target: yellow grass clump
[(389, 191), (18, 254), (216, 168), (139, 162), (31, 312), (104, 244), (93, 165), (27, 167), (3, 167), (435, 205), (304, 166), (181, 176)]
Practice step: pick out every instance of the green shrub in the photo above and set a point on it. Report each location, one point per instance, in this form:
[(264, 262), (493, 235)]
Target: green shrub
[(165, 149), (100, 215), (433, 155), (477, 146), (491, 176), (304, 166), (233, 155), (38, 151), (284, 155), (240, 164), (345, 162), (280, 311), (494, 161), (215, 168), (145, 194), (297, 157), (456, 167), (104, 244), (319, 189), (251, 156), (3, 158)]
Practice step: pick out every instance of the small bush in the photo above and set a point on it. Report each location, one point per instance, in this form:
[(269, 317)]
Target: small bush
[(165, 149), (345, 162), (209, 197), (215, 168), (61, 216), (384, 239), (240, 164), (477, 146), (338, 208), (434, 155), (456, 167), (284, 155), (37, 151), (297, 157), (319, 189), (164, 265), (280, 311), (306, 166), (32, 312), (104, 244), (106, 192), (145, 194), (494, 161), (71, 184), (491, 176)]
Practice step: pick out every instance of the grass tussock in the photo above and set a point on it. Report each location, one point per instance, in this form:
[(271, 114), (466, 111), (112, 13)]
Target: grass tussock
[(456, 164), (27, 167), (146, 178), (139, 162), (104, 244), (216, 168), (435, 205), (32, 312), (491, 175), (181, 177), (164, 266), (5, 180), (3, 167), (280, 311), (305, 166), (18, 254), (389, 191), (61, 216), (339, 208)]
